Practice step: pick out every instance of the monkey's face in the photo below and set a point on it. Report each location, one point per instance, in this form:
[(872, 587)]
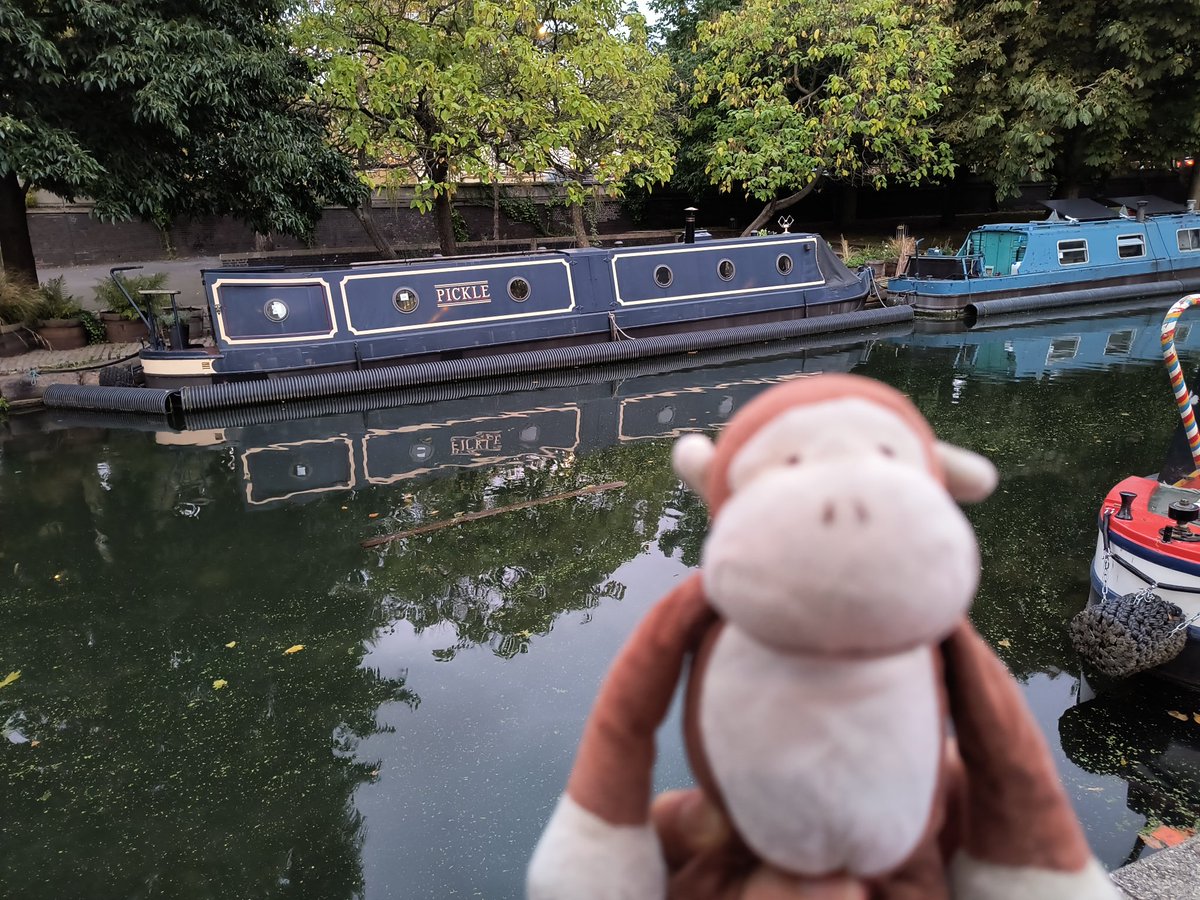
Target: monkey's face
[(837, 538)]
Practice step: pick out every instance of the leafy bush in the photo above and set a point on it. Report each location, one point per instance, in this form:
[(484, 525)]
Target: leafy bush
[(18, 301), (96, 332), (53, 301), (110, 298)]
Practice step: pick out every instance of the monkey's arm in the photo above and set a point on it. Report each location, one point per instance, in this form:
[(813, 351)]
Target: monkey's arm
[(1022, 837), (599, 844)]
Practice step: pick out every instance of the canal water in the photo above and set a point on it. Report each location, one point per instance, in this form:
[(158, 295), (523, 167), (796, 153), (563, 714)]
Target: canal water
[(222, 693)]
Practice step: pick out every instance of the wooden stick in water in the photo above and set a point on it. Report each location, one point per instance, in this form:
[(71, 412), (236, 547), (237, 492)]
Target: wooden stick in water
[(472, 517)]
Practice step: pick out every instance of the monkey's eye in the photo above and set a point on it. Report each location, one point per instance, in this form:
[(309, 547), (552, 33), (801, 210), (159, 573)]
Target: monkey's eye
[(886, 450), (793, 459)]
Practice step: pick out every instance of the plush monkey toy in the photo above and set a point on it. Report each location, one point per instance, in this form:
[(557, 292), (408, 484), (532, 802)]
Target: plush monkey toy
[(829, 654)]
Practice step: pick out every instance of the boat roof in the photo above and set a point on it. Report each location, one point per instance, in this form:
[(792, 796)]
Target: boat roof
[(1079, 209), (1155, 206)]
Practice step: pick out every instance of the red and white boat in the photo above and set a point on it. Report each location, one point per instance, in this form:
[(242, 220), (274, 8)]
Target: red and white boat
[(1147, 541)]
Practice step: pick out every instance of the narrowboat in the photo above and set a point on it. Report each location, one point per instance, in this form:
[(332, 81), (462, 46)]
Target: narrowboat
[(279, 322), (1147, 547), (1085, 251)]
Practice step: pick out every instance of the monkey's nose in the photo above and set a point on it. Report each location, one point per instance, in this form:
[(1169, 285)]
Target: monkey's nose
[(829, 512)]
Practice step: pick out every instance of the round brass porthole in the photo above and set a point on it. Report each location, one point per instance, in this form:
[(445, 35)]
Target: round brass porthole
[(405, 300), (519, 290), (663, 276), (783, 264), (275, 310), (725, 269)]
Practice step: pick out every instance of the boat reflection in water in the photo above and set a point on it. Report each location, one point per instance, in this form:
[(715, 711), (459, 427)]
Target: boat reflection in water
[(303, 451), (1028, 346)]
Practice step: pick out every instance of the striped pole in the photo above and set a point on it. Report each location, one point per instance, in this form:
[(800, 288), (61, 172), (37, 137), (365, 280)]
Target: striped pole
[(1183, 397)]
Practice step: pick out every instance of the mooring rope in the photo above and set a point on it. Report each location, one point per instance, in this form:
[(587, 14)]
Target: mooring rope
[(1183, 397)]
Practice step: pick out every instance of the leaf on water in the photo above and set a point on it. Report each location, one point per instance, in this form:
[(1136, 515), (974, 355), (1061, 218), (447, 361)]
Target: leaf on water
[(1176, 714), (1196, 718), (295, 648), (10, 678), (34, 743), (1004, 642), (373, 516), (219, 683), (345, 507), (231, 644)]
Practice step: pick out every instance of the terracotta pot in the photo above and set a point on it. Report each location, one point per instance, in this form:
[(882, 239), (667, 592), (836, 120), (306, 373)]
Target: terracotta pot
[(119, 330), (62, 334)]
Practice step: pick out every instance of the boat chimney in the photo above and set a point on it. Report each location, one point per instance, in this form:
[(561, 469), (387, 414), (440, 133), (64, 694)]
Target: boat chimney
[(689, 225), (1141, 210), (1191, 206)]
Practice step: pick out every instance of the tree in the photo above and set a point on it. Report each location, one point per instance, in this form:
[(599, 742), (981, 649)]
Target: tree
[(439, 92), (793, 93), (1073, 91), (604, 119), (156, 111)]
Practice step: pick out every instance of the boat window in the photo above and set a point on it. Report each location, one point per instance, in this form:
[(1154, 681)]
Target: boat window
[(518, 289), (1062, 349), (1072, 253), (1119, 342), (405, 300), (275, 310), (725, 269), (783, 264), (1189, 239), (663, 276), (1181, 333), (1131, 246)]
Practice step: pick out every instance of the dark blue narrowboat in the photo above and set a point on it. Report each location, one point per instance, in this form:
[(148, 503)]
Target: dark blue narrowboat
[(278, 322), (1085, 252)]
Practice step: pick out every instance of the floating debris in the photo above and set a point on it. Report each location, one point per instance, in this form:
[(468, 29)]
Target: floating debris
[(295, 648)]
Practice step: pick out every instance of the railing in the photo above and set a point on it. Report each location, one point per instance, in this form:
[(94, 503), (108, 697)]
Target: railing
[(947, 267)]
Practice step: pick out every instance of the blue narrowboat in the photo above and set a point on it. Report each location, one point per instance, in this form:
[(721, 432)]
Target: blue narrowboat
[(1084, 252), (280, 322)]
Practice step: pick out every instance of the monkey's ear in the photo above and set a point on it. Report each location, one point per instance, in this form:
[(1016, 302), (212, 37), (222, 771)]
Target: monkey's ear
[(969, 476), (691, 455)]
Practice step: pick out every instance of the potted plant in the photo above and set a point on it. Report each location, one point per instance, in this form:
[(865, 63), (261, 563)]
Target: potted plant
[(178, 329), (58, 322), (122, 324), (18, 307)]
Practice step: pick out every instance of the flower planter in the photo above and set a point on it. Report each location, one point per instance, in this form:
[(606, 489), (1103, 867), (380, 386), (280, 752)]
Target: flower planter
[(13, 340), (119, 330), (62, 334)]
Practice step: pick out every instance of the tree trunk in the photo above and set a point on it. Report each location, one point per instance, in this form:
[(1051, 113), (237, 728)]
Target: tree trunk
[(579, 226), (443, 211), (16, 249), (1195, 194), (779, 205), (496, 211), (362, 212)]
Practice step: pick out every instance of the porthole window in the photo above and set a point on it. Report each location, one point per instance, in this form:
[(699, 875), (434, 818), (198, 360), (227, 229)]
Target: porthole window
[(422, 452), (666, 415), (405, 300), (783, 264), (518, 289), (275, 310), (725, 269), (663, 276)]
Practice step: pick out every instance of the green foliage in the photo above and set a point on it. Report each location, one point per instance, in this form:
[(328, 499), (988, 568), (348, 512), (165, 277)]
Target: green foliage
[(110, 298), (53, 301), (18, 300), (96, 333), (158, 110), (788, 92), (1072, 91), (434, 93), (461, 233)]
